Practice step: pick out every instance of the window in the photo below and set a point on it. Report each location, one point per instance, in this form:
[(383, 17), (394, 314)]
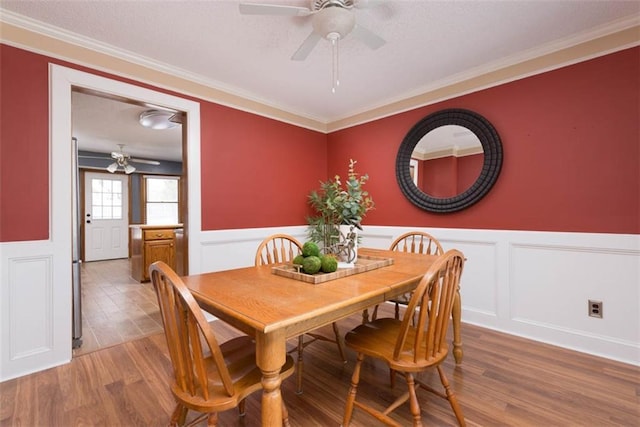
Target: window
[(161, 200), (106, 199)]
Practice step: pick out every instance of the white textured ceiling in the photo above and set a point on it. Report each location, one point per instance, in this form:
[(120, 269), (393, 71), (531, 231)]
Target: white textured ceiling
[(100, 124), (429, 43)]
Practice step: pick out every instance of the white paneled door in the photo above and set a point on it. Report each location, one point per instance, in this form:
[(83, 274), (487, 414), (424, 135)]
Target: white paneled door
[(106, 216)]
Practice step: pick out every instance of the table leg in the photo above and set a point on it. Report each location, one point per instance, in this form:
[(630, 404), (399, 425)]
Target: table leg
[(271, 354), (457, 337)]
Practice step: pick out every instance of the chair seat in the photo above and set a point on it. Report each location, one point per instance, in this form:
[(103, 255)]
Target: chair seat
[(239, 356), (411, 345), (208, 377), (378, 339)]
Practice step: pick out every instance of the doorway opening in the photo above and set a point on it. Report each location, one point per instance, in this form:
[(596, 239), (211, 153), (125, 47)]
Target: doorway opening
[(51, 343), (115, 154)]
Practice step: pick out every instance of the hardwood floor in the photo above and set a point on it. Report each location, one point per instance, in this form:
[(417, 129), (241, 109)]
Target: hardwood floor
[(503, 381), (115, 307)]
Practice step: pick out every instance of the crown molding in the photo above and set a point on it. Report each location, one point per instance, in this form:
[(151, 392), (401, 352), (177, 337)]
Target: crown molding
[(599, 41), (35, 36)]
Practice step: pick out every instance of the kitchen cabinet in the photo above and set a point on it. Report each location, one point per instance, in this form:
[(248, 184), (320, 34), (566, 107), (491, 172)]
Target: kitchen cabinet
[(151, 243)]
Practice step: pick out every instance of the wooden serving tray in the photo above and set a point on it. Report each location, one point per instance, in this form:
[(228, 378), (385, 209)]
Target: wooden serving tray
[(364, 263)]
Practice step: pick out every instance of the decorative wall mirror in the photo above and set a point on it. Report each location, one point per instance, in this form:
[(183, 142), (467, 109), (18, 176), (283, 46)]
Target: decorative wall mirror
[(449, 160)]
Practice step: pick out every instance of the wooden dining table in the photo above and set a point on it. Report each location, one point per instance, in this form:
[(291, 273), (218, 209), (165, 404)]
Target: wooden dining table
[(272, 308)]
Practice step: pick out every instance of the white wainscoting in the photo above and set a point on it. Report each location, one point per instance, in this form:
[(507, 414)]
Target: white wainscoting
[(527, 283), (226, 249), (35, 299), (531, 284)]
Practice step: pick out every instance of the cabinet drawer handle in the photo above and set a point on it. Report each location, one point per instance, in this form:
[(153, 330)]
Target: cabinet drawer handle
[(159, 235)]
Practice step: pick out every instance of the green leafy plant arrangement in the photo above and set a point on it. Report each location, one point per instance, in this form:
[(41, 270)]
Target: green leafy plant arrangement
[(336, 205)]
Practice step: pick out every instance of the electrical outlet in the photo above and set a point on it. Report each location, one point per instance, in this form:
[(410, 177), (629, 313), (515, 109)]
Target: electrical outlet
[(595, 309)]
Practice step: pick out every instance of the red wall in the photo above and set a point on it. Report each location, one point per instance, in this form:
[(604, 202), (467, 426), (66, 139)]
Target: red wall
[(448, 176), (24, 146), (571, 140), (469, 169), (255, 171), (440, 177)]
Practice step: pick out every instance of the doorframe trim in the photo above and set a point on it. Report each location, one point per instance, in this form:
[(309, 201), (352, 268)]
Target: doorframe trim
[(63, 80)]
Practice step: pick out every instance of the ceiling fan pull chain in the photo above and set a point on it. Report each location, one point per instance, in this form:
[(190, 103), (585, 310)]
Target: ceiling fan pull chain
[(334, 47)]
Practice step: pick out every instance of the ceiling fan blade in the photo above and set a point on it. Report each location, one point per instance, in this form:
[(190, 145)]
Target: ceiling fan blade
[(123, 157), (306, 47), (145, 161), (368, 37), (273, 9), (85, 156), (366, 4)]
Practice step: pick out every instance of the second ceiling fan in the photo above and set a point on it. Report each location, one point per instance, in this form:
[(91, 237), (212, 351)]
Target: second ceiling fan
[(332, 20), (122, 160)]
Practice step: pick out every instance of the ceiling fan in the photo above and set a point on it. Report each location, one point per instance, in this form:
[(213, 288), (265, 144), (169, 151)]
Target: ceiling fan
[(122, 160), (331, 19)]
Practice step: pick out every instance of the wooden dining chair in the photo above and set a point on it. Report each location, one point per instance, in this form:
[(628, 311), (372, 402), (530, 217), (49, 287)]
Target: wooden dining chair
[(277, 249), (416, 242), (282, 248), (208, 377), (409, 349)]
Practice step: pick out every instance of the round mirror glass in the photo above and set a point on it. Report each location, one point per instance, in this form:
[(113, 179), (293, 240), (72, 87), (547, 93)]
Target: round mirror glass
[(449, 160)]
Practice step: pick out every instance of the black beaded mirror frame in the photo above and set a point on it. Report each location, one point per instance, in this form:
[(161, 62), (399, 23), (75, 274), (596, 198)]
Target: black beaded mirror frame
[(491, 145)]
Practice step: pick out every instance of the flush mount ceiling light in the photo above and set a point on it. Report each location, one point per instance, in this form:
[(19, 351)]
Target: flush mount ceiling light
[(157, 119)]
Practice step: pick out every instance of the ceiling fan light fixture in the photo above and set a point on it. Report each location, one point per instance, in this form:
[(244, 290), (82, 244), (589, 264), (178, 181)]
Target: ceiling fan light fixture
[(157, 119), (333, 19), (334, 23), (121, 160)]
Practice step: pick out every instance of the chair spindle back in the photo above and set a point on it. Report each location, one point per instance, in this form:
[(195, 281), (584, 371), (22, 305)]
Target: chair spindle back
[(184, 325), (417, 242), (277, 249), (432, 302)]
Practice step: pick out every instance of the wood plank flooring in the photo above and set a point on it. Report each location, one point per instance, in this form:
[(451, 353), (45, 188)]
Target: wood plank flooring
[(503, 381)]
